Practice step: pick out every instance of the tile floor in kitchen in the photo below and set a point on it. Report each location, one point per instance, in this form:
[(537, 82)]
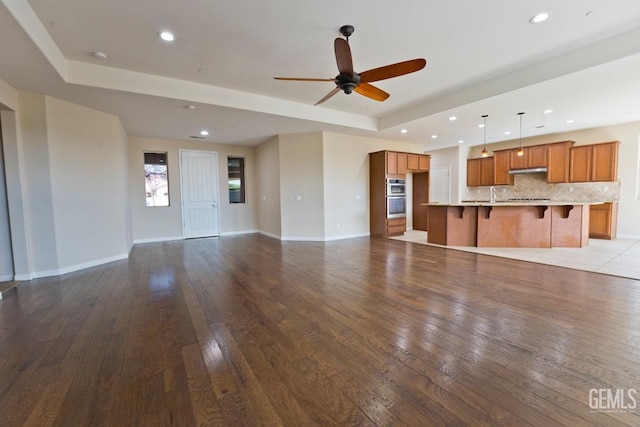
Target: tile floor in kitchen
[(618, 257)]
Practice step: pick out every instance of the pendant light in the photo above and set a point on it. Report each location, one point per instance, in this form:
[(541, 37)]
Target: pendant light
[(520, 150), (485, 153)]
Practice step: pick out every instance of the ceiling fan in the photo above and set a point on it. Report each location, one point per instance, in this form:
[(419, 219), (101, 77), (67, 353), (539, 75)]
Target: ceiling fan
[(349, 81)]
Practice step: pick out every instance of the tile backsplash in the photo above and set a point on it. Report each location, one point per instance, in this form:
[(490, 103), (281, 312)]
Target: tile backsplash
[(535, 186)]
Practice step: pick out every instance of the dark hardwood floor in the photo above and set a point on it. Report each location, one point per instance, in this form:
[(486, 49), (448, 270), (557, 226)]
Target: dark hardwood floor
[(252, 331)]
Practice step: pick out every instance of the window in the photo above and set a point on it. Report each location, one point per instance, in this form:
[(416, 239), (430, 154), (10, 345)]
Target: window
[(156, 181), (236, 180)]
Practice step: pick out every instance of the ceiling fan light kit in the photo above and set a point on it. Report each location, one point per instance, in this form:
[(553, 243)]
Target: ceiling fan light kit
[(349, 81)]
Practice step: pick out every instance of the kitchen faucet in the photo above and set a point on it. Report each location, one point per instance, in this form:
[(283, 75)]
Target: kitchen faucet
[(492, 194)]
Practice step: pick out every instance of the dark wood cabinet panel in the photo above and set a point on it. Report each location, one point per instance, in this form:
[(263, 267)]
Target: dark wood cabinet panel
[(603, 221), (558, 162), (412, 162), (402, 163), (420, 195), (515, 161), (604, 158), (594, 162), (580, 169), (536, 156), (395, 227), (501, 166), (423, 162), (480, 172), (392, 163)]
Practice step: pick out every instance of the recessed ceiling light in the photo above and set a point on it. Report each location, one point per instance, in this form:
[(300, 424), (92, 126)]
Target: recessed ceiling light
[(167, 36), (547, 111), (569, 121), (540, 17), (403, 131), (434, 136), (204, 133), (99, 55), (460, 141), (190, 107), (507, 132), (452, 118), (589, 13), (481, 125)]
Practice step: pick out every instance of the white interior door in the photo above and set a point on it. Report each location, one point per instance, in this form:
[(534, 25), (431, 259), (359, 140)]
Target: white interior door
[(200, 195), (440, 184)]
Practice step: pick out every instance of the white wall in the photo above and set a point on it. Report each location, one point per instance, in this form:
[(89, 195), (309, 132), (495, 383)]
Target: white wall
[(16, 192), (268, 187), (346, 176), (301, 173), (628, 162), (88, 170), (6, 257), (163, 223), (37, 183)]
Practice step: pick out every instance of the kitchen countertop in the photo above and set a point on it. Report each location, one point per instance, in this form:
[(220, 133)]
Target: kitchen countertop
[(511, 203)]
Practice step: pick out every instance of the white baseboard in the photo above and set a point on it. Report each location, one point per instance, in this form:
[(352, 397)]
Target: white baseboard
[(22, 277), (629, 236), (72, 268), (158, 239), (237, 233), (273, 236), (347, 236), (6, 278)]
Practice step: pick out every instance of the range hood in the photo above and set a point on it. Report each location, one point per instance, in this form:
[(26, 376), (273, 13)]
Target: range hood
[(530, 170)]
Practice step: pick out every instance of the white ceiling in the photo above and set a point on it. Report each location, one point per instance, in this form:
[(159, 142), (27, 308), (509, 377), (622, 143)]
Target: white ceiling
[(482, 58)]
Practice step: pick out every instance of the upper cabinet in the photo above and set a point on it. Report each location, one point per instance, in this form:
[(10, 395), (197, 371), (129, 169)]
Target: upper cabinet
[(501, 166), (418, 162), (558, 162), (534, 157), (480, 172), (398, 163), (594, 162)]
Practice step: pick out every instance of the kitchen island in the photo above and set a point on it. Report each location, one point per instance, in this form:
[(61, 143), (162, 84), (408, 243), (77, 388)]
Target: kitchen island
[(517, 224)]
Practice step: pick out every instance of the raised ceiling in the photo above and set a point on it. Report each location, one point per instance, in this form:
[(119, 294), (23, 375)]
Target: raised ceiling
[(482, 58)]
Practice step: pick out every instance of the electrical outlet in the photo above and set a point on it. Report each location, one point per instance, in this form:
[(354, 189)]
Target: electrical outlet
[(298, 197), (605, 187)]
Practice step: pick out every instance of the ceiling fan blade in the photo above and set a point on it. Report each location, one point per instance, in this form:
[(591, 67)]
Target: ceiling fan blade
[(393, 70), (304, 79), (343, 57), (371, 91), (327, 96)]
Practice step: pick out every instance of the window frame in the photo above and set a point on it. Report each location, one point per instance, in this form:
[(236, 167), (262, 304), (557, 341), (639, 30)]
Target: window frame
[(149, 160), (242, 176)]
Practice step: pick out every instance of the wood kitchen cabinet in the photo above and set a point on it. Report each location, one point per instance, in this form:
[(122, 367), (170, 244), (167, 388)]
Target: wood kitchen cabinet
[(604, 161), (501, 166), (480, 171), (594, 162), (385, 165), (534, 156), (395, 226), (418, 162), (603, 221), (402, 163), (558, 161)]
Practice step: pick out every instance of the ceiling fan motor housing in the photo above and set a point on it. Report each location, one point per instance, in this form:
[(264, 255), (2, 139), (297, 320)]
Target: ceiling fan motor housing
[(347, 83)]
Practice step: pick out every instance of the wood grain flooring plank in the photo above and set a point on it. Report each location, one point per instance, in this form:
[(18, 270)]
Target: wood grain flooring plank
[(249, 330)]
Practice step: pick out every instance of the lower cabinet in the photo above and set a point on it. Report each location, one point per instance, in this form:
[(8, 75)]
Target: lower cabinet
[(603, 221), (395, 226)]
